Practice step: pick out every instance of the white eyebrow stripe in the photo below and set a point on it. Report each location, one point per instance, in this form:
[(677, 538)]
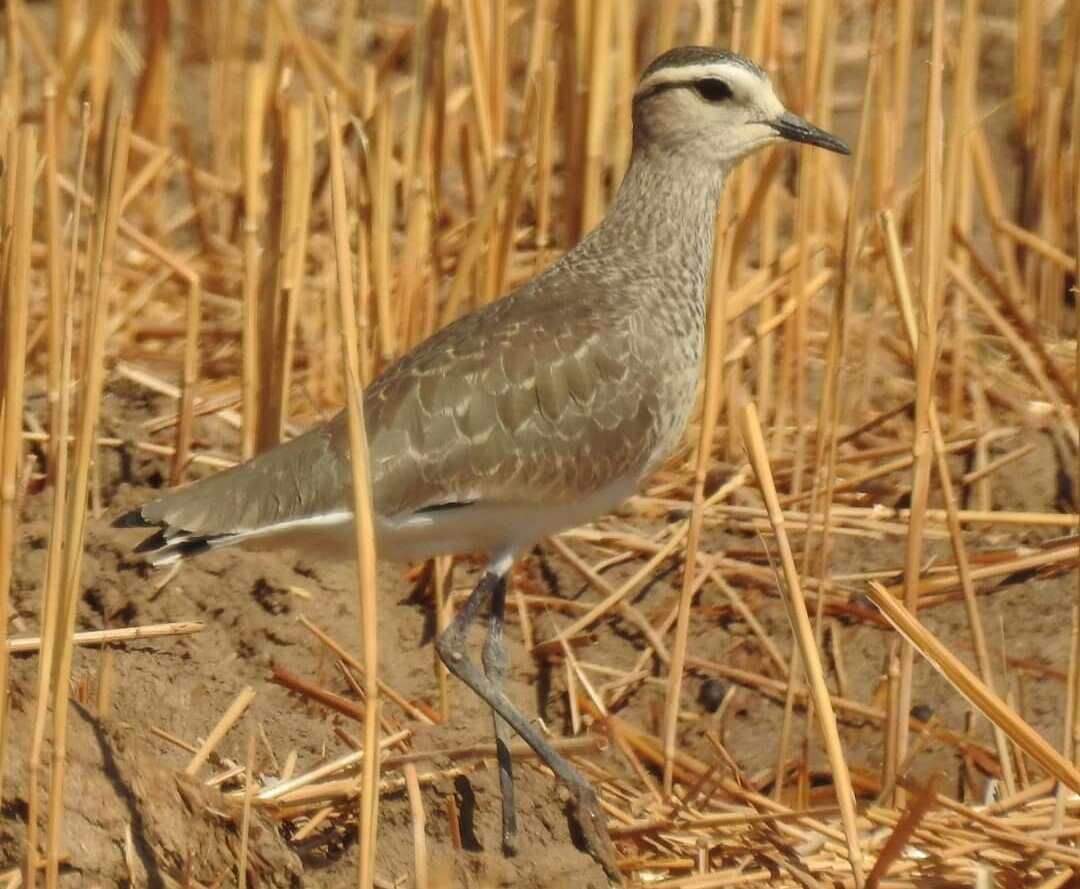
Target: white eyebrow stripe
[(729, 71)]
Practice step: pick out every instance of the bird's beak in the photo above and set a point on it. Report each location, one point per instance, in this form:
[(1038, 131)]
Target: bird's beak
[(793, 127)]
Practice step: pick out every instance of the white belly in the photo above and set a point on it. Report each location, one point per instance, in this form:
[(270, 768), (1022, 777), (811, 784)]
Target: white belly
[(491, 527), (501, 529)]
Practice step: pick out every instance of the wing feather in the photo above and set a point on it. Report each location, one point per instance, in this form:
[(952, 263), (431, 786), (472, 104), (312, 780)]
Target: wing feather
[(535, 398)]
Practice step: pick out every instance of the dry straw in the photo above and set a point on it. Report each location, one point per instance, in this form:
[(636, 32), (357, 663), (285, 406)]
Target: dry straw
[(900, 324), (365, 532), (714, 362), (16, 272), (804, 636)]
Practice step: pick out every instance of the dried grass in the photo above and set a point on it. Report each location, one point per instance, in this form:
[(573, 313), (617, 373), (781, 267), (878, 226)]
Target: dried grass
[(264, 272)]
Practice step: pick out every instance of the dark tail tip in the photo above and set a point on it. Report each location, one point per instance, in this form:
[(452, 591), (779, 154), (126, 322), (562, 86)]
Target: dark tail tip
[(133, 519), (195, 547), (153, 542), (158, 545)]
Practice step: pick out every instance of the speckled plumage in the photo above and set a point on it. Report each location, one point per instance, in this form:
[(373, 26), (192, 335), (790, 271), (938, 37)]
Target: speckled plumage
[(582, 376), (539, 410)]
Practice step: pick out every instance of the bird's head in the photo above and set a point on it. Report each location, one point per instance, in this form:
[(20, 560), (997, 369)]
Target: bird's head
[(716, 107)]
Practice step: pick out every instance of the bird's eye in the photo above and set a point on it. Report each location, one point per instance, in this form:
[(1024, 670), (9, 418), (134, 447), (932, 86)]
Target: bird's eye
[(713, 90)]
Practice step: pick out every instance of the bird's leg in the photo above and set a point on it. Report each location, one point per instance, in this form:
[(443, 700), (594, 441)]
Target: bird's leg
[(451, 649), (496, 662)]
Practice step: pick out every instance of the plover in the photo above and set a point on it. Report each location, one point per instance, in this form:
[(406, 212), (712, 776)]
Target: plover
[(535, 413)]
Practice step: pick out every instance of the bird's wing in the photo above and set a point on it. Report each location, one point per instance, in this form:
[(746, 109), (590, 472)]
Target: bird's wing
[(524, 401), (545, 405)]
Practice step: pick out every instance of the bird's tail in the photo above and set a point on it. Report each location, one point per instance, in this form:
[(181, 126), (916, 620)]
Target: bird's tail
[(299, 486)]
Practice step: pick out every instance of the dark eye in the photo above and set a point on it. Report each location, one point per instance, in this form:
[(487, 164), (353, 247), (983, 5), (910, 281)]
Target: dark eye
[(713, 90)]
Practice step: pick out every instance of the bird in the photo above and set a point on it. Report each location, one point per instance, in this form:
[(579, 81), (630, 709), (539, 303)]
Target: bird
[(533, 414)]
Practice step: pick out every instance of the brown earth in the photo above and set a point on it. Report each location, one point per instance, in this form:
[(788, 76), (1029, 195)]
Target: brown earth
[(123, 777)]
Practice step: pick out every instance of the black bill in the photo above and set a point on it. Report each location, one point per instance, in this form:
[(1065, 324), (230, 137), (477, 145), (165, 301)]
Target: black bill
[(793, 127)]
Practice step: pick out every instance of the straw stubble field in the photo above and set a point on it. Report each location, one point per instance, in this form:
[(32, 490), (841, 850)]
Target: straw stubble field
[(195, 195)]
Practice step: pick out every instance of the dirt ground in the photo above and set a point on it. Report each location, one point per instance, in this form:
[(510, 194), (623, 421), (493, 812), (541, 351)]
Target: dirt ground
[(123, 777), (133, 817)]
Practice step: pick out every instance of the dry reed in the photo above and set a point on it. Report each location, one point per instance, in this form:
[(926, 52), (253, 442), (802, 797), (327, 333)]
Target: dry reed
[(902, 326)]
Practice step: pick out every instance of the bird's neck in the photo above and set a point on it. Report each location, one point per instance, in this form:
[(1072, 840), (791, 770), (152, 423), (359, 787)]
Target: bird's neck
[(663, 215)]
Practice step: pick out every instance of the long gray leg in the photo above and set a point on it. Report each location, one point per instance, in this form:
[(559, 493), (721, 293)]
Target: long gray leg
[(496, 662), (451, 648)]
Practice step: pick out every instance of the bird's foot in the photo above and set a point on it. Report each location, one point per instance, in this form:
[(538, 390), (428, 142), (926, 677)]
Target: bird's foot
[(590, 818), (509, 819)]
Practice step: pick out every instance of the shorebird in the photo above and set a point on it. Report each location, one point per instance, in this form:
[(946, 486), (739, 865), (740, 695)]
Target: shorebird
[(535, 413)]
